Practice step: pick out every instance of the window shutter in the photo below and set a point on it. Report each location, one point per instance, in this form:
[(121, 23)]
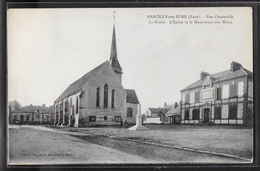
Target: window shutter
[(197, 97), (219, 93), (233, 90), (187, 98)]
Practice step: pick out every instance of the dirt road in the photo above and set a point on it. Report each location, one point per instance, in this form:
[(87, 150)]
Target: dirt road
[(34, 146), (40, 145)]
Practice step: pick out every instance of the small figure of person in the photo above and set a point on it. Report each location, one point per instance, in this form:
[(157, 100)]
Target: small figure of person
[(121, 122), (126, 123), (20, 123)]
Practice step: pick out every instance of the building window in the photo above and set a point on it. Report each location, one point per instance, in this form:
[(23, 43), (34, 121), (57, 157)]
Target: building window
[(37, 116), (48, 118), (186, 117), (113, 99), (28, 118), (92, 118), (106, 96), (232, 112), (66, 106), (77, 104), (129, 112), (98, 97), (61, 107), (117, 118), (21, 118), (57, 108), (105, 118), (15, 117), (70, 102), (218, 93), (217, 112), (195, 114)]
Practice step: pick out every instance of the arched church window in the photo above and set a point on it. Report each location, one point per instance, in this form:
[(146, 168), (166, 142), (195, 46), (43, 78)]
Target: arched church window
[(106, 95), (77, 104), (113, 99), (61, 107), (66, 106), (57, 108), (98, 97), (70, 102)]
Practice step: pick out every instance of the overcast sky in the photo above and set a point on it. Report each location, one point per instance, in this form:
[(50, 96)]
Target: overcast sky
[(48, 49)]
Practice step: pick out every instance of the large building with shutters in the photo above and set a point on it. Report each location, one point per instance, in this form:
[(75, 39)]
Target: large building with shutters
[(98, 97), (222, 98)]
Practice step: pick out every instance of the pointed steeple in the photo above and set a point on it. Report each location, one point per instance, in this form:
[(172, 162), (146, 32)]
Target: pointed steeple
[(113, 54)]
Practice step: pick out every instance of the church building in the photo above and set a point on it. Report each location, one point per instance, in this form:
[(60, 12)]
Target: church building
[(221, 98), (98, 97)]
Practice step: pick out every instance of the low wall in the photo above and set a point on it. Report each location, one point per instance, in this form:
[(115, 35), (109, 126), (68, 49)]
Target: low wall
[(152, 120)]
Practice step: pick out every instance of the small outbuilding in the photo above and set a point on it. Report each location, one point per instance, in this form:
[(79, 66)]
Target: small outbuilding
[(174, 115)]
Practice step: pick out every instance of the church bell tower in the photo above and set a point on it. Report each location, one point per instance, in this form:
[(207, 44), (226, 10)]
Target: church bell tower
[(113, 55)]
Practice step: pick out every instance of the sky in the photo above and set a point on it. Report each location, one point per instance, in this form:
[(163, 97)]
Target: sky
[(49, 49)]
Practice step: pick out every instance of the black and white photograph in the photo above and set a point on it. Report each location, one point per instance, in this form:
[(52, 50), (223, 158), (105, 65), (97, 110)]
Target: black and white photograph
[(130, 86)]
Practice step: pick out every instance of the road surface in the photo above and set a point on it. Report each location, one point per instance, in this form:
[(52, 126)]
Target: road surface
[(41, 145)]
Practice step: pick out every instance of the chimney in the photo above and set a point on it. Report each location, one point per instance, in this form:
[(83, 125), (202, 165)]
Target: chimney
[(43, 105), (203, 75), (234, 66), (175, 104), (165, 104)]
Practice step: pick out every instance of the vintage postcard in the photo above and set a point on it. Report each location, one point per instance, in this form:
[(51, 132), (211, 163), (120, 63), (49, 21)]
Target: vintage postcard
[(130, 86)]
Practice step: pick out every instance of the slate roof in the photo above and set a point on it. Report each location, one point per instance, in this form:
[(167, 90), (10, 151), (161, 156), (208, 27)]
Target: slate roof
[(78, 84), (131, 96), (157, 110), (168, 106), (221, 76), (173, 111), (32, 109)]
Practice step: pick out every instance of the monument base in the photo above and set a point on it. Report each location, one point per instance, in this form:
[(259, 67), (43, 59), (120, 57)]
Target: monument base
[(138, 128)]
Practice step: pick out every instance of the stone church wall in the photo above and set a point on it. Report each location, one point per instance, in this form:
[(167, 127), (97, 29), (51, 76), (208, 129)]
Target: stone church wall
[(88, 103)]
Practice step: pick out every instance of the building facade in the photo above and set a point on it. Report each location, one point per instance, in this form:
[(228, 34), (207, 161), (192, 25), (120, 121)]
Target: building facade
[(131, 106), (173, 115), (155, 115), (32, 115), (222, 98), (98, 97)]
